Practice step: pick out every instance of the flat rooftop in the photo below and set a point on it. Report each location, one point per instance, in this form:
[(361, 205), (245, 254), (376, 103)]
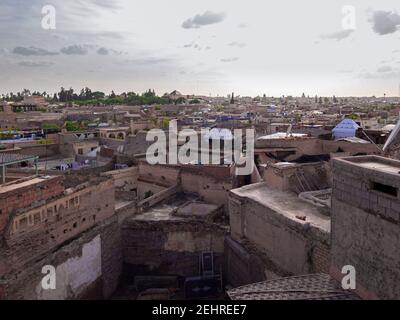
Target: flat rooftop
[(179, 208), (14, 185), (376, 163), (286, 204)]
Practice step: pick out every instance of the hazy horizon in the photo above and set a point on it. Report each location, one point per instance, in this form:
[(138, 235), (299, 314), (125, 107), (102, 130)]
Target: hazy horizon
[(203, 47)]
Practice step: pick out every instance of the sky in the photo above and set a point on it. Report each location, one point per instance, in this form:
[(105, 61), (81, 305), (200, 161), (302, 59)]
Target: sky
[(208, 47)]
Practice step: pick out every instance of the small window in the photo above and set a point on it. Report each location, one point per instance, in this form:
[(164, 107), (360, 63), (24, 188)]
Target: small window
[(36, 217), (384, 188), (23, 223)]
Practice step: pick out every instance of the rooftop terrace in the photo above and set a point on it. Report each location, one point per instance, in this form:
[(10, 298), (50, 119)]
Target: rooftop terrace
[(286, 204)]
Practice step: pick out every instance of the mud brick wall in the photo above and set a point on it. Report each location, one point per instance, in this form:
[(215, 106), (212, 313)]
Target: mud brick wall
[(320, 258), (366, 228), (166, 174), (209, 188), (293, 248), (169, 247), (49, 228), (87, 267), (26, 196), (41, 150), (242, 267)]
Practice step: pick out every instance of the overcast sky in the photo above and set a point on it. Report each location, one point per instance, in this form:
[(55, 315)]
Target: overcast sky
[(205, 47)]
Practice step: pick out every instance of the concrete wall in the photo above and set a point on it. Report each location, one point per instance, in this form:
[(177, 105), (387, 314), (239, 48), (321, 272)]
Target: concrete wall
[(366, 229)]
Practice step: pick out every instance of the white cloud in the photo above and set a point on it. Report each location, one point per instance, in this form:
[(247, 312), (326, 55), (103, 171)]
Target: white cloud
[(204, 19)]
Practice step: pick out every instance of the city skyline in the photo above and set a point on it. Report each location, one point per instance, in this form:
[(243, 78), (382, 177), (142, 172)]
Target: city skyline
[(203, 47)]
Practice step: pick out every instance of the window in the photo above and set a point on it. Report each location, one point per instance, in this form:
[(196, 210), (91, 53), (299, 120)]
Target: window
[(384, 188), (23, 223), (80, 151), (36, 217)]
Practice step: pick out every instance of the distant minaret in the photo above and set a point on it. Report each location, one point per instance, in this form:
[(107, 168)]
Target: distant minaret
[(233, 98)]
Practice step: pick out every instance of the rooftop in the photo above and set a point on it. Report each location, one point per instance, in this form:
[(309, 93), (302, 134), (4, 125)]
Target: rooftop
[(283, 135), (286, 204), (305, 287), (375, 163), (18, 184)]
